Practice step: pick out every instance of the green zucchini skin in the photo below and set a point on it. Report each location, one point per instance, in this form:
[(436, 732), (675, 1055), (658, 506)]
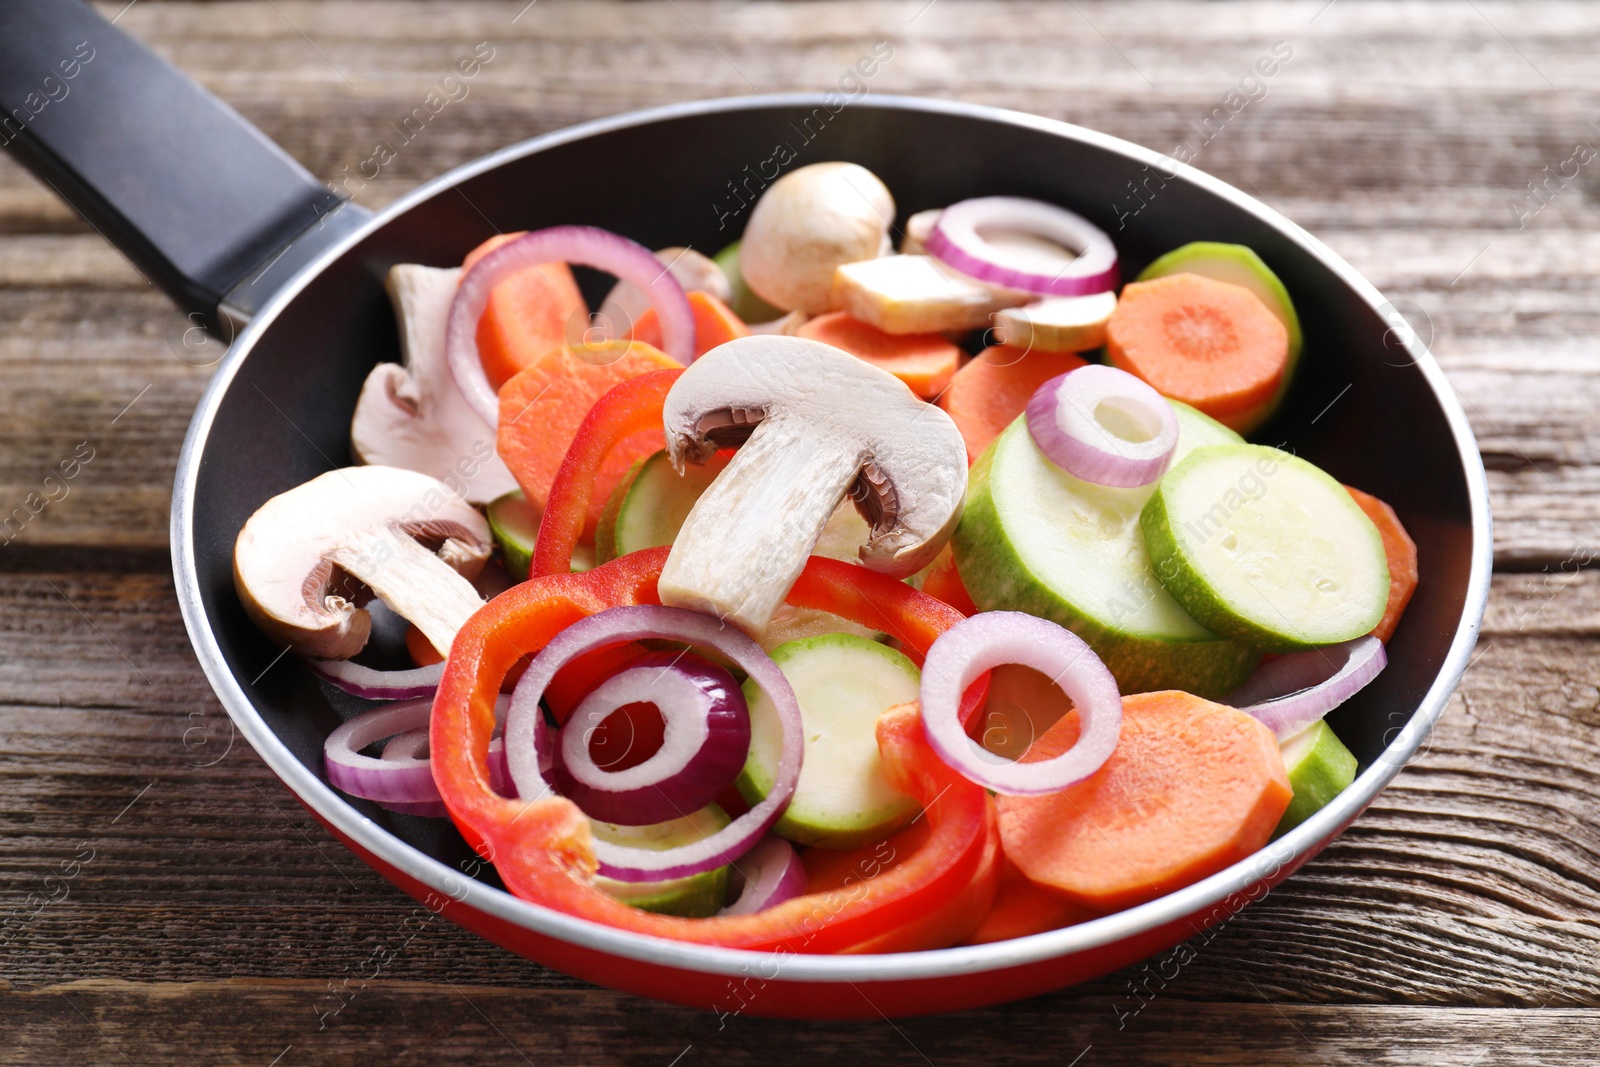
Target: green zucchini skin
[(994, 567)]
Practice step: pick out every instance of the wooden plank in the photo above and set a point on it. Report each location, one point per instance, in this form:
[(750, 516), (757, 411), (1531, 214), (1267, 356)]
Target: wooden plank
[(262, 1023), (1509, 309)]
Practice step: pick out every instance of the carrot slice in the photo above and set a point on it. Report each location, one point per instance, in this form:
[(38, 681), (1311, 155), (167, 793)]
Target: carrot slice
[(1191, 788), (714, 324), (1401, 553), (542, 407), (924, 361), (989, 393), (420, 649), (527, 315), (1022, 907), (952, 923), (1214, 346)]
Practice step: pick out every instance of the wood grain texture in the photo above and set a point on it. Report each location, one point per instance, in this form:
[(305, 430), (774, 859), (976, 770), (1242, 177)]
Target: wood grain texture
[(207, 916)]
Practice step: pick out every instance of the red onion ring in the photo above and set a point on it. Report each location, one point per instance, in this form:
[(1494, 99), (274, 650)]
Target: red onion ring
[(706, 743), (1104, 425), (589, 246), (370, 684), (768, 875), (992, 639), (1292, 692), (401, 779), (409, 748), (525, 742), (957, 239)]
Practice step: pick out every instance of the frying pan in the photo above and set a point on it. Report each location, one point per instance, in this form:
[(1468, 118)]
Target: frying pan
[(244, 238)]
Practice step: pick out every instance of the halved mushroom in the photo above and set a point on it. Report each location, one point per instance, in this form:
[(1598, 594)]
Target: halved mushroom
[(805, 225), (309, 559), (414, 416), (694, 271), (811, 423)]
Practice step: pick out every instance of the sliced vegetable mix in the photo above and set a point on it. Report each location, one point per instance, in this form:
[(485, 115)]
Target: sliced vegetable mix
[(827, 690)]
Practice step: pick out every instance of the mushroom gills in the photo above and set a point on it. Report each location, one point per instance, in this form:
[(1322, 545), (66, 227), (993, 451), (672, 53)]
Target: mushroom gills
[(416, 584), (308, 559)]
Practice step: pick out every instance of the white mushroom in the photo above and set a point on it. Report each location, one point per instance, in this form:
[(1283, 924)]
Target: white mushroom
[(308, 559), (805, 225), (812, 423), (695, 272), (918, 294), (414, 416)]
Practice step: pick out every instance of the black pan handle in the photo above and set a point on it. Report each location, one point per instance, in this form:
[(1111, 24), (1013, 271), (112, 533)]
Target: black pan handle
[(200, 200)]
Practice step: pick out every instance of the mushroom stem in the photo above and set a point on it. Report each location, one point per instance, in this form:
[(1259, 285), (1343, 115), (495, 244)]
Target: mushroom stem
[(416, 584), (747, 538)]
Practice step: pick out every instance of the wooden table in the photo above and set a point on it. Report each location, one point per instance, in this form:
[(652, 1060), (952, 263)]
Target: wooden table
[(195, 912)]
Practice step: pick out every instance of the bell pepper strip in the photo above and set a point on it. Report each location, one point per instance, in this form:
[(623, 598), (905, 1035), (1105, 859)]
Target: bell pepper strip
[(623, 410), (543, 849), (949, 924), (942, 581)]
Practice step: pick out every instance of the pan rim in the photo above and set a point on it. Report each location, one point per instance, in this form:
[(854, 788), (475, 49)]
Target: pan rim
[(330, 807)]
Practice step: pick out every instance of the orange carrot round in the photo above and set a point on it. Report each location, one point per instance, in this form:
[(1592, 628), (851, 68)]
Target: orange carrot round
[(1191, 788), (714, 324), (989, 393), (527, 315), (1216, 347), (924, 361), (542, 407), (420, 649), (1401, 553)]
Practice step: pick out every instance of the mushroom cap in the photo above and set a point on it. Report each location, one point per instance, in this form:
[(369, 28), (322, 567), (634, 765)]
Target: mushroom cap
[(911, 457), (807, 224), (283, 565), (414, 416)]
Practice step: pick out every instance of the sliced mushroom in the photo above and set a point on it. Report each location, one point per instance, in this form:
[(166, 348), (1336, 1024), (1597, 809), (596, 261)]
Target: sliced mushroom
[(414, 416), (695, 272), (918, 294), (812, 423), (309, 559), (805, 225)]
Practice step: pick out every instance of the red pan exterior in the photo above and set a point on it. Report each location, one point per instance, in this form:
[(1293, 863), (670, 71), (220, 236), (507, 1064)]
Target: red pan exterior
[(763, 991)]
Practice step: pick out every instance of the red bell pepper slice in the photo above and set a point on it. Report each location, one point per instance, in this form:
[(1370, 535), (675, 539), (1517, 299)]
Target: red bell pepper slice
[(543, 849), (624, 409)]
